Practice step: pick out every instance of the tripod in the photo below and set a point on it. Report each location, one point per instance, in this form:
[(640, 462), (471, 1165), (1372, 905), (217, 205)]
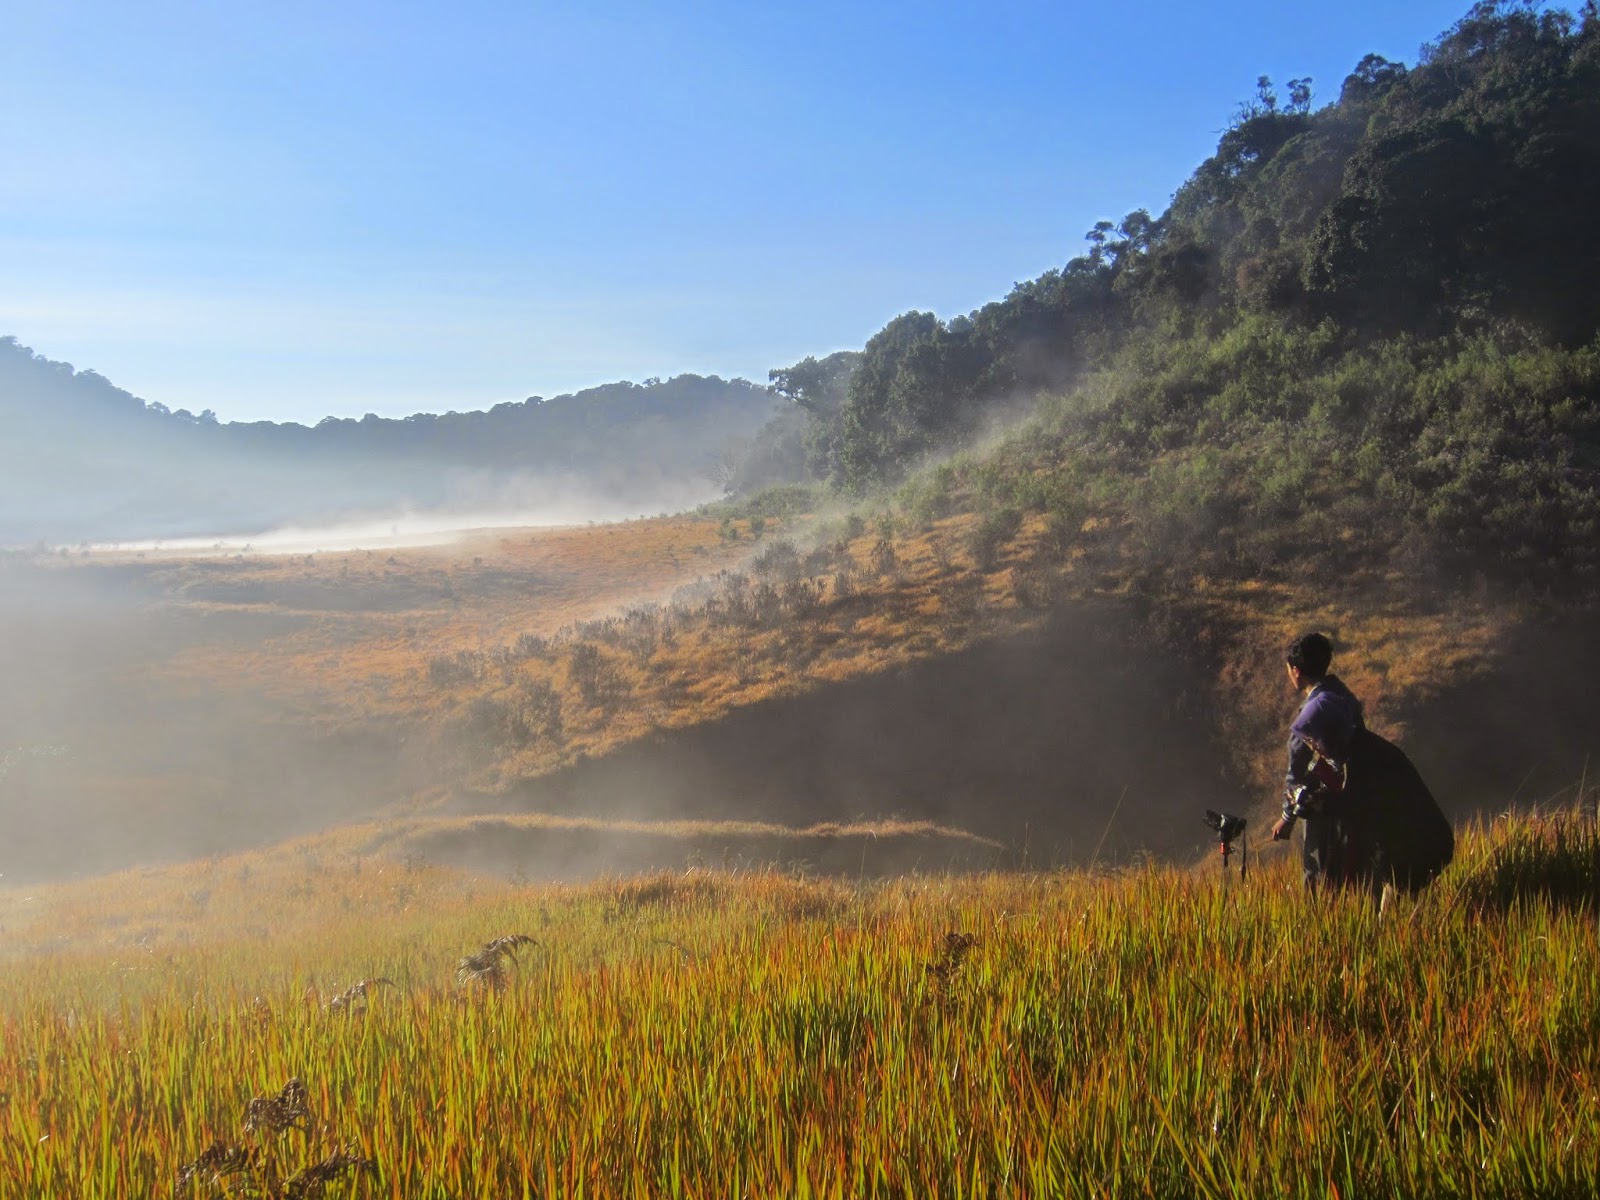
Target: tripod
[(1228, 829)]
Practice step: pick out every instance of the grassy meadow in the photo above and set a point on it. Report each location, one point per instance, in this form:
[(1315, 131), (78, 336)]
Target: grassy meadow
[(1148, 1031)]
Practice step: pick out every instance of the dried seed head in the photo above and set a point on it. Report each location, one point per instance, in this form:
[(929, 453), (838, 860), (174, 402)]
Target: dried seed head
[(311, 1183), (488, 966), (354, 997), (289, 1109), (218, 1163), (950, 959)]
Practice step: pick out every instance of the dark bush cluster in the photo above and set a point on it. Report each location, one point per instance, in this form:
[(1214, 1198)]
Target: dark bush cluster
[(599, 680), (457, 667)]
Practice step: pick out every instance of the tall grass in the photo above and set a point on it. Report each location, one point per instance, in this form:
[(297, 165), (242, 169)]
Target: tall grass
[(1154, 1032)]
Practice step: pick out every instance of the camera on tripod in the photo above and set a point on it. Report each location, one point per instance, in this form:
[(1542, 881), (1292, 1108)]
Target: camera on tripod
[(1229, 829)]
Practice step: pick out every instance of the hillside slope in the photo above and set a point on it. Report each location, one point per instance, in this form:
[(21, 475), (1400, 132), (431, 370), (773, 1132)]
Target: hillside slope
[(1314, 393), (1055, 706)]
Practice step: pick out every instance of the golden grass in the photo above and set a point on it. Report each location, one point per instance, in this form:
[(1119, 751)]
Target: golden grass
[(1148, 1032), (382, 868)]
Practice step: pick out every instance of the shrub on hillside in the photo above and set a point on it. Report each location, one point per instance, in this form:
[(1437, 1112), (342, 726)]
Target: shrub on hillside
[(883, 559), (531, 645), (457, 667), (787, 500), (928, 497), (779, 561), (989, 535), (600, 682), (539, 708), (1033, 586)]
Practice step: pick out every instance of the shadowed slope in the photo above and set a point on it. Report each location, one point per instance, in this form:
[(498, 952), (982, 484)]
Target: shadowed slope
[(1032, 741)]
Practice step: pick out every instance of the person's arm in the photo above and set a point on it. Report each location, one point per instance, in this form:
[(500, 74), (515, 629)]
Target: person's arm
[(1299, 797)]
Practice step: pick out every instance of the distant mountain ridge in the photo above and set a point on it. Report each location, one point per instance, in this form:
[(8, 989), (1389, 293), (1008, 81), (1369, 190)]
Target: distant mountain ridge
[(84, 459)]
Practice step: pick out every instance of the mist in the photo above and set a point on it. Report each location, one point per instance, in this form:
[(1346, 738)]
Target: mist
[(524, 503), (86, 463)]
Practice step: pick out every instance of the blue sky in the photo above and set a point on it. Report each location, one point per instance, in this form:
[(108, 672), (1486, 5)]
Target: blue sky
[(293, 210)]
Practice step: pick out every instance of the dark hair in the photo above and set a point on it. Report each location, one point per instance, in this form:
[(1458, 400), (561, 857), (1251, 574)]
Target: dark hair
[(1311, 654)]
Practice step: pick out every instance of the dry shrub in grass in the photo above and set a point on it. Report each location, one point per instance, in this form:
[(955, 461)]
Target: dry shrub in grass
[(822, 559), (354, 998), (746, 666), (1033, 586), (289, 1109), (540, 710), (948, 962), (642, 632), (311, 1183), (1061, 533), (730, 603), (221, 1165), (599, 681), (488, 967), (455, 668), (532, 645), (990, 535), (492, 723), (766, 606), (778, 562), (802, 598), (883, 559), (960, 600), (606, 630)]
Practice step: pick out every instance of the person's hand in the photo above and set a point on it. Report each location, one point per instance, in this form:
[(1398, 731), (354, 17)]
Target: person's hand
[(1281, 831)]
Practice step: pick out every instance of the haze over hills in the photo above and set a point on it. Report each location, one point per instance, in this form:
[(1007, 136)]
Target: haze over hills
[(1321, 389), (843, 837), (83, 460)]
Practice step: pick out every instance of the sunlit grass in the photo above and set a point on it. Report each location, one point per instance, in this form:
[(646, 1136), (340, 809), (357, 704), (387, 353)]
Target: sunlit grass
[(1153, 1031)]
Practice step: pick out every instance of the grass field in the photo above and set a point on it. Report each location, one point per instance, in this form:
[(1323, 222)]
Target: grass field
[(1141, 1032)]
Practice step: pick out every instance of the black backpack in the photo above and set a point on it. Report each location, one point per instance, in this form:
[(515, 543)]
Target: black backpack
[(1410, 837)]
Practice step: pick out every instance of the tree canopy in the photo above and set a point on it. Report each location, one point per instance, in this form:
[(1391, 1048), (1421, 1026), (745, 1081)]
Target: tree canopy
[(1401, 287)]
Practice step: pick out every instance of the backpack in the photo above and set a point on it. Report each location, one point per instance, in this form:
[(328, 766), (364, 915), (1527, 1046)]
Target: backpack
[(1410, 837)]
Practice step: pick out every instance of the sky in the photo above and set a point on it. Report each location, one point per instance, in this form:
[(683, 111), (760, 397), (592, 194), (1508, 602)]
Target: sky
[(289, 211)]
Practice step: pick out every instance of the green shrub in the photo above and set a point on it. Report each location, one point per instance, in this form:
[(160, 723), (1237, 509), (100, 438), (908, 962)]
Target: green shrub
[(991, 533)]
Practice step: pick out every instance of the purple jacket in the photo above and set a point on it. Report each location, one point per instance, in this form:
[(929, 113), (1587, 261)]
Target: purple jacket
[(1327, 723)]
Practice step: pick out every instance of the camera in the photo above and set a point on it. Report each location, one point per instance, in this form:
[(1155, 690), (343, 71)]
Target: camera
[(1228, 826)]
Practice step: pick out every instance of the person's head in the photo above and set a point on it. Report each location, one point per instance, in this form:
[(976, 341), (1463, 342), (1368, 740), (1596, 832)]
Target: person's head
[(1308, 658)]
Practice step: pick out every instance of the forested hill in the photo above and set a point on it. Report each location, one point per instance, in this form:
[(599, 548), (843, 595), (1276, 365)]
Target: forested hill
[(1364, 331), (84, 459)]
